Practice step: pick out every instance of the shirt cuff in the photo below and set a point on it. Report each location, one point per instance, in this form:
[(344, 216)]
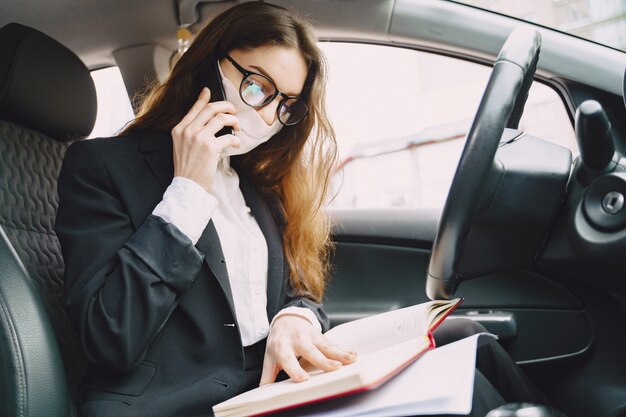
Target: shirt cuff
[(301, 312), (187, 206)]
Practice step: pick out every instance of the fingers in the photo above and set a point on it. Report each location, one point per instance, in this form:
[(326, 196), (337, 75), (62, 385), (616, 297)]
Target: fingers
[(210, 112), (292, 337), (332, 351), (196, 150), (208, 131), (270, 370), (287, 360), (218, 122), (201, 102), (201, 112), (328, 358), (314, 356), (219, 143), (325, 355)]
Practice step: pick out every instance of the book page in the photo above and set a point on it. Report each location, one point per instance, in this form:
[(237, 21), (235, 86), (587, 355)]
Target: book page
[(439, 310), (440, 382), (382, 330), (385, 343), (369, 371)]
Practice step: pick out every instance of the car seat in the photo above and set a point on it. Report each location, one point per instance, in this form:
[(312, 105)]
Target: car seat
[(47, 100)]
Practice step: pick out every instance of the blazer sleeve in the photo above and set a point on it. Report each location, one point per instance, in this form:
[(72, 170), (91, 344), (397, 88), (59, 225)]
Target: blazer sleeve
[(316, 308), (121, 285)]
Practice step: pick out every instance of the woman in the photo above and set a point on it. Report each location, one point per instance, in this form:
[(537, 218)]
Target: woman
[(168, 278), (194, 262)]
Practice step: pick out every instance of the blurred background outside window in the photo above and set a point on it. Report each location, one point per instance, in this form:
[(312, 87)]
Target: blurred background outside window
[(401, 116)]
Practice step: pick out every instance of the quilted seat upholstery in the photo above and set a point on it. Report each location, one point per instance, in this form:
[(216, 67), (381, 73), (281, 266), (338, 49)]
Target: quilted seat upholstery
[(29, 199), (47, 99)]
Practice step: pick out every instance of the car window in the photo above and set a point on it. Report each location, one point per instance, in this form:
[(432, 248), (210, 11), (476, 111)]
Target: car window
[(401, 115), (114, 108), (602, 21)]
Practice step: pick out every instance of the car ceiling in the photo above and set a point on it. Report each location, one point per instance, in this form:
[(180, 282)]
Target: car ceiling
[(94, 29)]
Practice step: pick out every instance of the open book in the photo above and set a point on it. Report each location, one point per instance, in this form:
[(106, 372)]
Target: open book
[(440, 382), (386, 343)]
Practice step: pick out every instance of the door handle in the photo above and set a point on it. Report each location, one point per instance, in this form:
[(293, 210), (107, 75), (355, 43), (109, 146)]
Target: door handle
[(501, 323)]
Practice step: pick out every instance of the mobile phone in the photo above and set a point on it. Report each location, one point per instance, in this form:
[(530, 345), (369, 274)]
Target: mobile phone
[(213, 81)]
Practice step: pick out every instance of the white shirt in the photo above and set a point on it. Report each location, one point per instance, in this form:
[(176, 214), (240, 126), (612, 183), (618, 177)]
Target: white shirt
[(189, 207)]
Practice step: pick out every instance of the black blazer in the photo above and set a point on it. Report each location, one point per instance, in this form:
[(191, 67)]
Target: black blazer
[(154, 313)]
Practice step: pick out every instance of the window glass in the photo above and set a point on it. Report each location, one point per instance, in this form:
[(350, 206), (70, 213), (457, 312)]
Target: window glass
[(401, 116), (602, 21), (114, 108)]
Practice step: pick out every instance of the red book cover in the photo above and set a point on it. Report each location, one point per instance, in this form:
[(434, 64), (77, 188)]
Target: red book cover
[(406, 354)]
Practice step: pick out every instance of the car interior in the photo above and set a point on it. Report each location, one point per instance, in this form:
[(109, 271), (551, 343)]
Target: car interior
[(531, 235)]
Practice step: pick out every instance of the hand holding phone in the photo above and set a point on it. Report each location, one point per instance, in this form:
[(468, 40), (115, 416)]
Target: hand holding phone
[(196, 144)]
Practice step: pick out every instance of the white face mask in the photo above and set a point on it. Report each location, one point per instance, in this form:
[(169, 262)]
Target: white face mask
[(254, 131)]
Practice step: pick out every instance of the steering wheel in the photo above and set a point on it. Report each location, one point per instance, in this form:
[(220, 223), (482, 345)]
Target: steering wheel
[(501, 106)]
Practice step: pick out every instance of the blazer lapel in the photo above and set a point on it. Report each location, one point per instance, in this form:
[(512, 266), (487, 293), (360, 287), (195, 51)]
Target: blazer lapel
[(158, 155), (152, 171), (261, 212), (209, 245), (157, 150)]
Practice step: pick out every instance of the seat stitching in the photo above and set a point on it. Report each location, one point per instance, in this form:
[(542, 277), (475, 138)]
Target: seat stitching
[(22, 398), (28, 230)]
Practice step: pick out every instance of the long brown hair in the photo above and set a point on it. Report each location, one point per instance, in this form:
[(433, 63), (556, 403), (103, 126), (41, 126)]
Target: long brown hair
[(293, 168)]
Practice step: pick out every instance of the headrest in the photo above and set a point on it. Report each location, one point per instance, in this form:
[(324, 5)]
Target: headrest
[(43, 85)]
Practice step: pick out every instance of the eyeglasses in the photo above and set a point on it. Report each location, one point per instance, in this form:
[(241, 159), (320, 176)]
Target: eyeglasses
[(257, 90)]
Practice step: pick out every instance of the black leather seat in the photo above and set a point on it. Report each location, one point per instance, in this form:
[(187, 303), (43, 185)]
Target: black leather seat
[(47, 99)]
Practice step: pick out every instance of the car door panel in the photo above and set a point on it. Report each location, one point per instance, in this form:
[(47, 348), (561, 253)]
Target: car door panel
[(380, 264)]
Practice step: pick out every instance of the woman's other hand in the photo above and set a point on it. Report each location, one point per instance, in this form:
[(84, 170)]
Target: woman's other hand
[(196, 149), (292, 336)]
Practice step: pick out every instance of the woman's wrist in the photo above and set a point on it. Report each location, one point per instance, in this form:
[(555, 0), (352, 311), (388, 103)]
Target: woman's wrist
[(188, 206), (301, 312)]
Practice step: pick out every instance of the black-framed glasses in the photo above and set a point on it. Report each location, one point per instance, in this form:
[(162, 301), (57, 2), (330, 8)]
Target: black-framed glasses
[(257, 90)]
